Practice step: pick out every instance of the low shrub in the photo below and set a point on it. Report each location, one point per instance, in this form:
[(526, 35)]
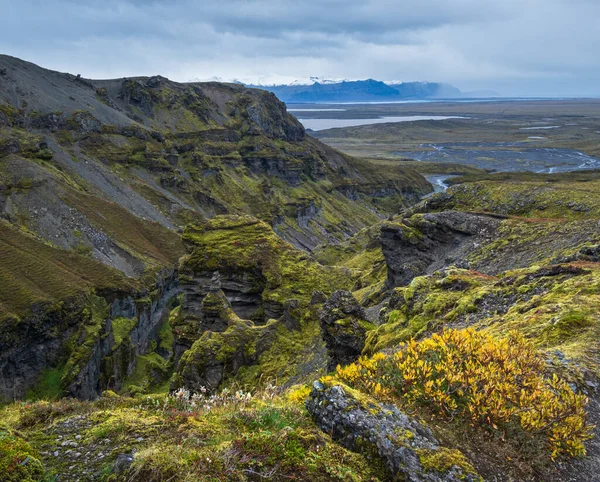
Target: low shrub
[(493, 382)]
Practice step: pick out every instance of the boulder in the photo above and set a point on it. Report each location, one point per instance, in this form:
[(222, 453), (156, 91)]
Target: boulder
[(408, 449)]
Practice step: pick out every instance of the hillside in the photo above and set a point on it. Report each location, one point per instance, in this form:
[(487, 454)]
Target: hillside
[(98, 178), (195, 289), (506, 298), (173, 153)]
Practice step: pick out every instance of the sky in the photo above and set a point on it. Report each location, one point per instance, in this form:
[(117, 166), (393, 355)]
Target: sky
[(514, 47)]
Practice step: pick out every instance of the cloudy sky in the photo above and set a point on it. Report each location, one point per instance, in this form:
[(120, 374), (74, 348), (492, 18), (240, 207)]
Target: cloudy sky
[(516, 47)]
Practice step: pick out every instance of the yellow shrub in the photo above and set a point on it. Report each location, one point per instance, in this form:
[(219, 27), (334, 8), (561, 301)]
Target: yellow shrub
[(298, 393), (495, 382)]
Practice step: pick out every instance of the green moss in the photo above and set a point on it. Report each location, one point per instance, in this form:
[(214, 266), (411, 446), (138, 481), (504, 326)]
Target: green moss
[(150, 373), (48, 386), (238, 243), (443, 459), (167, 339), (121, 329), (86, 338), (289, 355), (566, 325), (561, 195), (19, 462)]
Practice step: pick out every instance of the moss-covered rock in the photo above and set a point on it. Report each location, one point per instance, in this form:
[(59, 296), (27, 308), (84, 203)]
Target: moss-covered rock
[(408, 449), (266, 278), (344, 328), (223, 347), (423, 243)]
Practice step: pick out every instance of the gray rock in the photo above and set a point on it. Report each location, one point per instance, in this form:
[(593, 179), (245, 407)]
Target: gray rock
[(381, 429), (318, 297), (344, 328), (425, 243), (122, 463)]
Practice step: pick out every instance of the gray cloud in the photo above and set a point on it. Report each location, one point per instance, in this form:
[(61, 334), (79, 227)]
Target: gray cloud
[(528, 47)]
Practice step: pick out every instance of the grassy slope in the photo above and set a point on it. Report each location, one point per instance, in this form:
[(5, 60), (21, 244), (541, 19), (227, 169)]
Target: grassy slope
[(32, 271), (150, 241)]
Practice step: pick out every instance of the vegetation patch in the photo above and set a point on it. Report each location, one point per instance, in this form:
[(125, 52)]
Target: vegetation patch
[(48, 386), (34, 272), (495, 383), (19, 462), (228, 436)]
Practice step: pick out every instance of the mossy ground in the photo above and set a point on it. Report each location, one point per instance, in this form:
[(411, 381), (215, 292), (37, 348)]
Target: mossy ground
[(565, 195), (268, 435), (363, 256), (557, 310), (19, 462)]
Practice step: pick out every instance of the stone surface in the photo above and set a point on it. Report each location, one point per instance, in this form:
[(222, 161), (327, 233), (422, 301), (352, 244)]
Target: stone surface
[(424, 243), (344, 328), (380, 430)]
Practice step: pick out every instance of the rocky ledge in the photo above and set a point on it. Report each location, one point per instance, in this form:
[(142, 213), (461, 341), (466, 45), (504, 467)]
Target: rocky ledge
[(407, 448)]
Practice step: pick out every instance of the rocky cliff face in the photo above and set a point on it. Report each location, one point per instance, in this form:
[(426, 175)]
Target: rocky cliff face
[(424, 243), (113, 360), (344, 327), (248, 303), (83, 345), (225, 344)]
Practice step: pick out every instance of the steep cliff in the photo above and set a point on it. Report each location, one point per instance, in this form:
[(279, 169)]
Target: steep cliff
[(248, 311)]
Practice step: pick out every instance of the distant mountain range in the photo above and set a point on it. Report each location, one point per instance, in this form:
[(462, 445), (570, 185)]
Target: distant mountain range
[(360, 91), (323, 90)]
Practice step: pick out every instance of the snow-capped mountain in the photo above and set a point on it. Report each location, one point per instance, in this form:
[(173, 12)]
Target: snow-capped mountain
[(273, 80), (325, 89)]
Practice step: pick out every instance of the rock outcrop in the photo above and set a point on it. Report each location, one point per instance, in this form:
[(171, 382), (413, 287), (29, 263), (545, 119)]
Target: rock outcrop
[(226, 343), (279, 286), (406, 447), (91, 341), (424, 243), (344, 328), (112, 359)]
